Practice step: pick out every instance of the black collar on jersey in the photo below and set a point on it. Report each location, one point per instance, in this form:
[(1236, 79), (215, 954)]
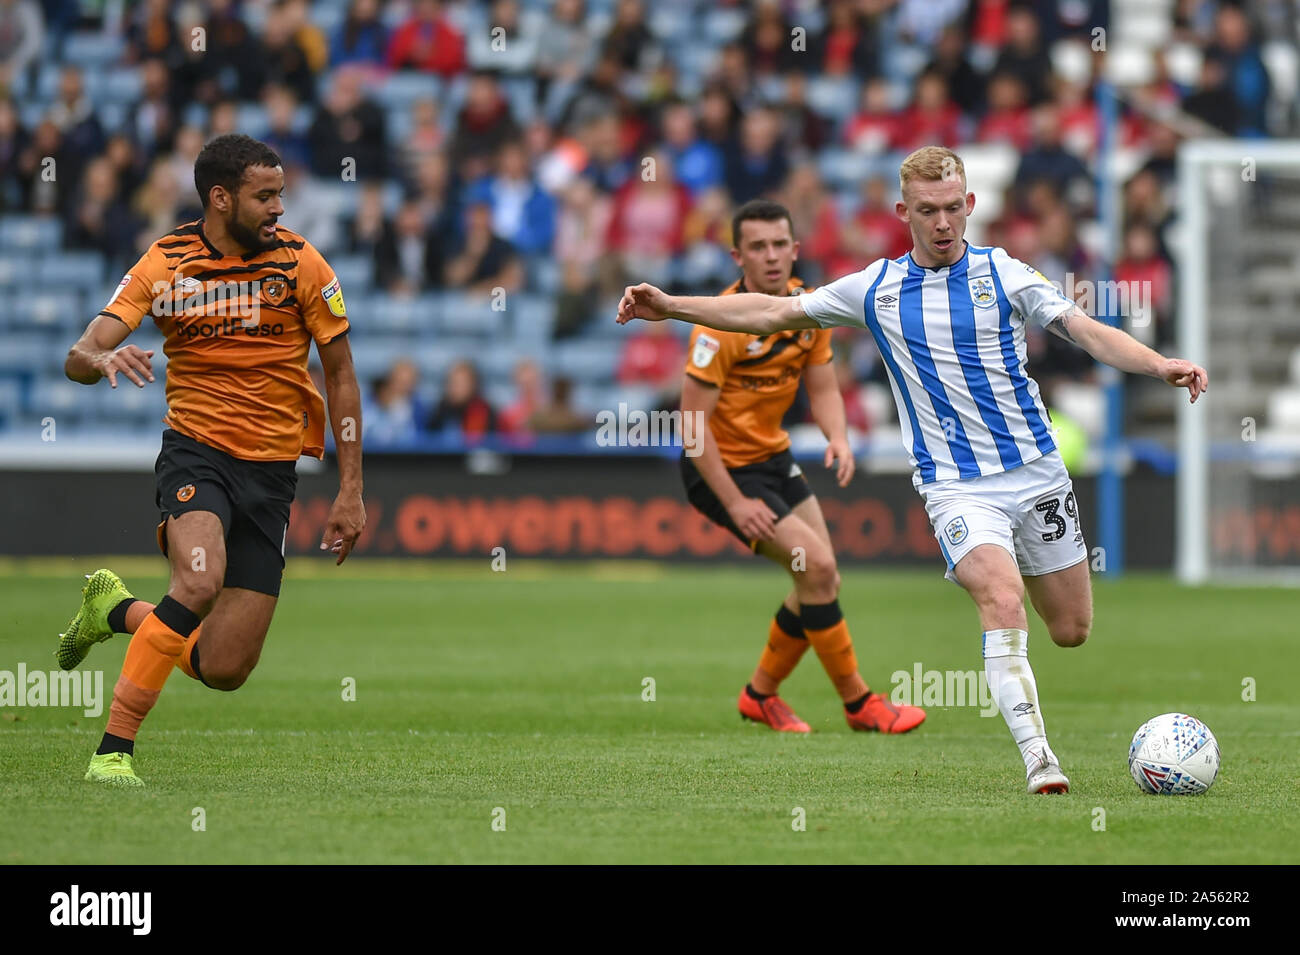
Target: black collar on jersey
[(217, 254)]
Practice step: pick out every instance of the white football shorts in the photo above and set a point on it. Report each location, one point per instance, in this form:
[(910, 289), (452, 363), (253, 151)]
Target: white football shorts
[(1030, 511)]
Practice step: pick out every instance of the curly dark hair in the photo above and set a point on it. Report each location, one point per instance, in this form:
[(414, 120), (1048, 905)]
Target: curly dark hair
[(224, 160)]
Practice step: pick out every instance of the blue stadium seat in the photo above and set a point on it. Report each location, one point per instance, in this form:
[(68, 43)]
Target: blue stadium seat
[(404, 87), (468, 315), (435, 358), (71, 269), (354, 272), (93, 49), (34, 233), (28, 352), (592, 361), (120, 85), (389, 313), (11, 399), (53, 309), (373, 356), (60, 398), (251, 119), (833, 95), (532, 318)]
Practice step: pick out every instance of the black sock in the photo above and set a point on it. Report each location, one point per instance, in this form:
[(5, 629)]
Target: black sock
[(194, 664), (116, 744), (177, 616), (117, 616), (857, 704), (754, 694)]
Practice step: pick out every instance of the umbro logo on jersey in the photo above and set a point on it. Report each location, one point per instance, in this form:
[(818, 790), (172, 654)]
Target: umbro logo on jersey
[(886, 301), (755, 346)]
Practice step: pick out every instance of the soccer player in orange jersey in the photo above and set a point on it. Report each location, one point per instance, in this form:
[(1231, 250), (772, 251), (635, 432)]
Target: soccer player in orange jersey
[(239, 302), (746, 480)]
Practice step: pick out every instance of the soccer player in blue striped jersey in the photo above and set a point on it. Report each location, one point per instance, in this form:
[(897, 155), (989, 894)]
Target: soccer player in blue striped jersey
[(949, 319)]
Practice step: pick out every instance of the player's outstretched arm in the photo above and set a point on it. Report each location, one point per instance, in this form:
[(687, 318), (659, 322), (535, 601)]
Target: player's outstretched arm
[(347, 517), (750, 312), (96, 355), (1115, 347)]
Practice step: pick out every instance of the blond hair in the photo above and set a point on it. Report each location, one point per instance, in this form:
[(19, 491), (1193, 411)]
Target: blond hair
[(931, 164)]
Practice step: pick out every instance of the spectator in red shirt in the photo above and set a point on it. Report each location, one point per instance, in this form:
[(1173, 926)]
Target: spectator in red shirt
[(875, 127), (462, 409), (428, 42), (1147, 280), (1008, 118), (647, 227), (932, 117), (653, 356)]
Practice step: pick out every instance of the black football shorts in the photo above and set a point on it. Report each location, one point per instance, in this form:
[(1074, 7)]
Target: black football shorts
[(778, 482), (252, 499)]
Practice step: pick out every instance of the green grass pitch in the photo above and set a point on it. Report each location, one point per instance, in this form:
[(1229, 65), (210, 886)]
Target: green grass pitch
[(522, 691)]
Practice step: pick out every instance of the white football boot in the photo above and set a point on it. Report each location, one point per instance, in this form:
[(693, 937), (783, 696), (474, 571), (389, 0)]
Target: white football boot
[(1044, 774)]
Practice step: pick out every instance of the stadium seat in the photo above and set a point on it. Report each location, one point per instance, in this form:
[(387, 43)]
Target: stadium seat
[(34, 233), (71, 269), (252, 120), (354, 272), (1284, 410), (587, 361), (403, 88), (1283, 64), (1128, 65), (833, 95), (532, 318), (1183, 60), (93, 49), (434, 359), (54, 309), (11, 399), (394, 314), (121, 85), (28, 351), (471, 315)]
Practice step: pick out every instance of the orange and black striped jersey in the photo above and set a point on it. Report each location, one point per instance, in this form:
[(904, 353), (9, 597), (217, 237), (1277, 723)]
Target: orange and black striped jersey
[(759, 377), (237, 334)]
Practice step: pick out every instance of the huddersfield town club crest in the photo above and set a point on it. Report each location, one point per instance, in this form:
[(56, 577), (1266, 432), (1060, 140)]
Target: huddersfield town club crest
[(981, 291), (956, 530)]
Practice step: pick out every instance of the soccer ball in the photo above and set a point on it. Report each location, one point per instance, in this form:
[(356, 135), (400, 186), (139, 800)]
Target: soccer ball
[(1173, 755)]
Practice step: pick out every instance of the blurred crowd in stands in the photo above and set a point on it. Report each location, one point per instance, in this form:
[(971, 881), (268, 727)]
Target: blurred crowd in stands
[(574, 146)]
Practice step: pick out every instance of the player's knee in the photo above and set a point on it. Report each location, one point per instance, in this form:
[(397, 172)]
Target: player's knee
[(822, 575), (1071, 631), (226, 677), (197, 591), (1006, 604)]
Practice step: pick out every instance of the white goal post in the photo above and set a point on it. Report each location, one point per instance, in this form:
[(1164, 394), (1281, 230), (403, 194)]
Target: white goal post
[(1238, 278)]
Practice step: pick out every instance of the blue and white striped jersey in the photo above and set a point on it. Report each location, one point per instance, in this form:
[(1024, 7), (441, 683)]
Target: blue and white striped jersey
[(953, 341)]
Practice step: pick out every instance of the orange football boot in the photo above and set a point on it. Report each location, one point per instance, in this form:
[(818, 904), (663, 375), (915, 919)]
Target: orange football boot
[(773, 711), (877, 714)]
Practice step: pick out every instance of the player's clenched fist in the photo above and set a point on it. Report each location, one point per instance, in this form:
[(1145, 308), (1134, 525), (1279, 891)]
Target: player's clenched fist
[(643, 301), (1183, 374), (129, 360)]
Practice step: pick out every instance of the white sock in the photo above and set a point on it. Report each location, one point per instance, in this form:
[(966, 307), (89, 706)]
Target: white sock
[(1011, 681)]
